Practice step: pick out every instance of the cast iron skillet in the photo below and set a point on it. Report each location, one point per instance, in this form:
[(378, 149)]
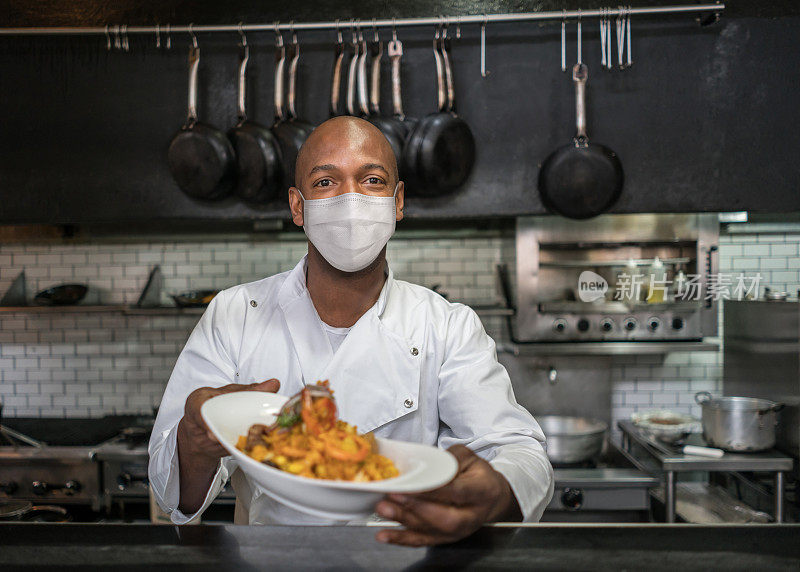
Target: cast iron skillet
[(582, 179), (201, 158), (290, 131), (258, 155), (370, 110), (440, 151)]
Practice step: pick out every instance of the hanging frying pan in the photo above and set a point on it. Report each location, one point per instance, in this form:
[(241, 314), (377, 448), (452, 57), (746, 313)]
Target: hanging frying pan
[(582, 179), (258, 155), (443, 142), (414, 138), (288, 130), (391, 128), (201, 158)]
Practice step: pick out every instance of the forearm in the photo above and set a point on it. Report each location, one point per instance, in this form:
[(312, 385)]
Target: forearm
[(196, 473)]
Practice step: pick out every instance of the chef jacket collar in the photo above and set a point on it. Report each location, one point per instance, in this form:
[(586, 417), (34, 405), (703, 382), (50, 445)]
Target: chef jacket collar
[(295, 286)]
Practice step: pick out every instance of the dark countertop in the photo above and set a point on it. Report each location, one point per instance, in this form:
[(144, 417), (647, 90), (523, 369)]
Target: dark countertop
[(543, 547)]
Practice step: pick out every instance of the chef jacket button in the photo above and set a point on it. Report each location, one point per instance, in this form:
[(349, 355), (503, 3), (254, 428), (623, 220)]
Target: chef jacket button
[(409, 403), (253, 303), (414, 352)]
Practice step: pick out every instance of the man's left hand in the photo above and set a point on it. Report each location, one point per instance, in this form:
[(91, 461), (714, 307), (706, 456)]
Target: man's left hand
[(478, 494)]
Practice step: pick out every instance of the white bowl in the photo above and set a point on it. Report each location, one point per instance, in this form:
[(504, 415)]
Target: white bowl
[(422, 467)]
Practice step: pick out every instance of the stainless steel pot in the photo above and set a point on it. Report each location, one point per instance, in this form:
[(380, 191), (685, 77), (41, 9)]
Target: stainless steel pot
[(572, 439), (739, 424)]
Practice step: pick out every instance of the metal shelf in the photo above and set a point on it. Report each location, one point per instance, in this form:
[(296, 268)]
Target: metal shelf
[(612, 348), (99, 309)]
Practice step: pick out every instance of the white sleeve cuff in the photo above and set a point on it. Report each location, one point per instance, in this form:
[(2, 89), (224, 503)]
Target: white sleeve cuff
[(531, 481), (166, 487)]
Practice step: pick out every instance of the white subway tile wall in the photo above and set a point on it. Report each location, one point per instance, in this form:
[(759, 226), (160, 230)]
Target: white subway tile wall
[(670, 381), (81, 364)]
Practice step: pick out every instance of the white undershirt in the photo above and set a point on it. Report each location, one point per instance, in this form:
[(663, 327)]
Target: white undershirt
[(335, 335)]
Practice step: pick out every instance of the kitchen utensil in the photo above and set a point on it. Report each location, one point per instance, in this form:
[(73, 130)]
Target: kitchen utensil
[(582, 179), (572, 439), (336, 76), (194, 298), (422, 467), (440, 151), (665, 425), (391, 127), (258, 156), (201, 158), (290, 131), (63, 295), (702, 451), (16, 293), (739, 424), (395, 51)]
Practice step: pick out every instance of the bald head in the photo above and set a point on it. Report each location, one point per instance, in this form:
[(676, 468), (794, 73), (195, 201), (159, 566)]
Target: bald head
[(340, 141)]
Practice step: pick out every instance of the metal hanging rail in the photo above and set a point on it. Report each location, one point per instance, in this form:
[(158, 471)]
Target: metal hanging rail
[(382, 23)]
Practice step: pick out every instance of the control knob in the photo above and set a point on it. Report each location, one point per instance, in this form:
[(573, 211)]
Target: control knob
[(560, 326), (69, 488), (607, 324), (677, 323), (9, 487), (653, 324), (630, 324), (583, 325), (572, 499)]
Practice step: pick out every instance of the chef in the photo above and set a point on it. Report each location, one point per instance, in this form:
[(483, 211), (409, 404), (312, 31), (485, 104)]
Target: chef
[(403, 362)]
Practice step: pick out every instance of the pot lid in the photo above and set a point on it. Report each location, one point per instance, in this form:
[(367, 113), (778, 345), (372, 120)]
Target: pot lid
[(13, 509)]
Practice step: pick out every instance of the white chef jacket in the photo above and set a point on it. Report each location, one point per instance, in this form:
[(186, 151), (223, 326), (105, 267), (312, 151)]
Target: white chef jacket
[(414, 367)]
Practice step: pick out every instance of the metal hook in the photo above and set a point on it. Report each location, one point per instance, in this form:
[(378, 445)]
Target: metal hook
[(580, 46), (169, 37), (108, 40), (278, 35), (458, 27), (125, 44), (620, 35), (242, 35), (338, 32), (609, 44), (117, 43), (375, 36), (484, 73), (629, 62), (394, 29), (158, 36), (602, 21), (194, 38), (353, 31), (563, 40)]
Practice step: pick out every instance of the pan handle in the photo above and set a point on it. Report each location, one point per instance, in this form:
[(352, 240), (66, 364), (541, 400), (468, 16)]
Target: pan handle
[(244, 55), (363, 96), (396, 55), (376, 51), (294, 50), (194, 64), (580, 73), (336, 81), (280, 63), (351, 77), (701, 397), (448, 72), (440, 91)]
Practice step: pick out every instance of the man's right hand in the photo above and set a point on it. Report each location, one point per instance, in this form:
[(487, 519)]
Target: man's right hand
[(198, 450)]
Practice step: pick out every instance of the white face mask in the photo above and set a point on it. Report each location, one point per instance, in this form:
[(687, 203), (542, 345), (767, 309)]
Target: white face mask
[(350, 229)]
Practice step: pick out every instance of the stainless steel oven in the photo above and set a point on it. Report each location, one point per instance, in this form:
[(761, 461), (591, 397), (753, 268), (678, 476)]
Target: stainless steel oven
[(641, 277)]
